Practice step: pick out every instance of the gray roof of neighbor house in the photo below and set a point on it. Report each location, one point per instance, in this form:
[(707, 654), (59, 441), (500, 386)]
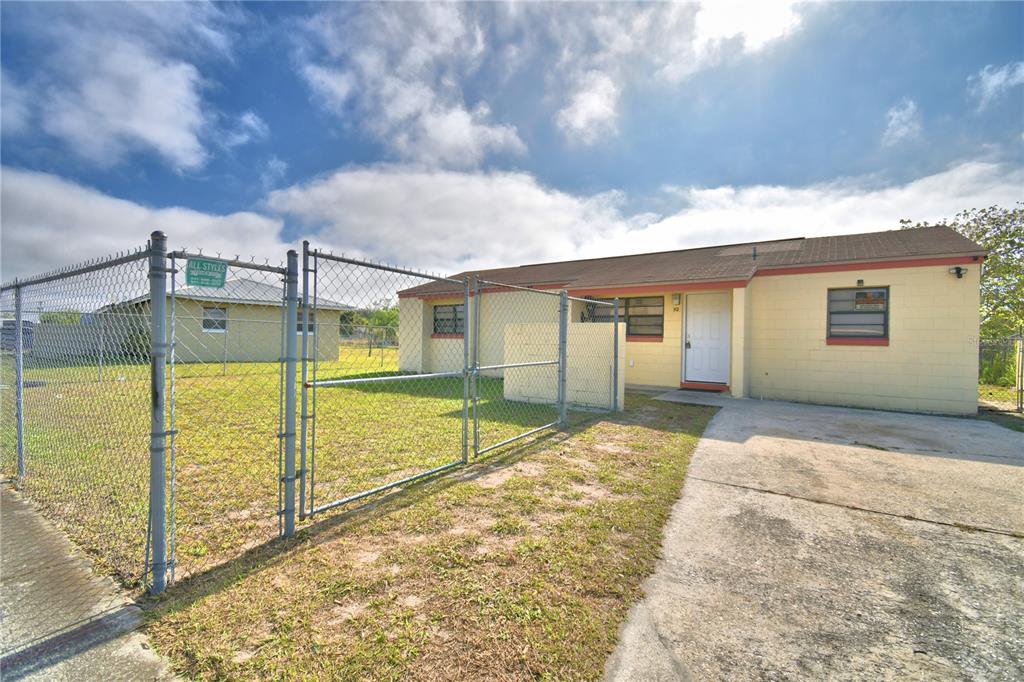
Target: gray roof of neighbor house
[(244, 291), (725, 263)]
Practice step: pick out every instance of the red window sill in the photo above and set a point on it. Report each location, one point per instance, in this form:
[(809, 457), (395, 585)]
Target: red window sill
[(644, 339), (446, 336), (838, 341)]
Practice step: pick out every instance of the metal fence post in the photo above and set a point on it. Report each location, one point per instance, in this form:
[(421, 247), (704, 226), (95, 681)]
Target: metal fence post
[(563, 342), (158, 434), (19, 382), (99, 370), (1020, 372), (465, 371), (304, 418), (615, 356), (291, 345), (476, 366)]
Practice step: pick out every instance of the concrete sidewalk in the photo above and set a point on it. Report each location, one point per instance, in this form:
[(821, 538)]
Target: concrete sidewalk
[(830, 543), (58, 621)]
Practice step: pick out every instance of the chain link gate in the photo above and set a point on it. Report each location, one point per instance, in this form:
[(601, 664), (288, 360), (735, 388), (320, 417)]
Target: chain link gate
[(476, 365), (227, 408), (376, 417)]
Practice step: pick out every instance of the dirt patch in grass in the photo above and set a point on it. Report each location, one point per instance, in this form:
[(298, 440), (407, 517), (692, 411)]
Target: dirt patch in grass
[(520, 567), (500, 475)]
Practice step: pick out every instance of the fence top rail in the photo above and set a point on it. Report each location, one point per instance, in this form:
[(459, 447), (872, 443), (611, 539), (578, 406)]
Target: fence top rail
[(79, 269), (317, 253), (232, 262), (549, 292), (609, 304)]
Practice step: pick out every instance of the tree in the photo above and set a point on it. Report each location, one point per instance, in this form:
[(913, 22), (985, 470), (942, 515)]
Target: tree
[(1001, 232), (60, 317)]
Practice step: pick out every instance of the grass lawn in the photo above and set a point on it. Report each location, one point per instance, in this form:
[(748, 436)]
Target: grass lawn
[(997, 404), (520, 566), (87, 446)]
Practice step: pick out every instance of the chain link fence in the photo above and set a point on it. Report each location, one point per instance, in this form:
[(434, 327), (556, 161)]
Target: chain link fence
[(154, 417), (408, 374), (74, 439), (85, 390), (1001, 374)]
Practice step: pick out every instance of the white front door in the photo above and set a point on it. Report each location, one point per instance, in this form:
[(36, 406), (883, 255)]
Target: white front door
[(706, 346)]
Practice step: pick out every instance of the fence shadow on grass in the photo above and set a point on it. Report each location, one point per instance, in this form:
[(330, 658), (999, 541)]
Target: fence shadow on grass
[(493, 406), (187, 591)]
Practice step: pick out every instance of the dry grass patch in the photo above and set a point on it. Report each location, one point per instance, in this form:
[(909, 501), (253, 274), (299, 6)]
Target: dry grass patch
[(519, 567)]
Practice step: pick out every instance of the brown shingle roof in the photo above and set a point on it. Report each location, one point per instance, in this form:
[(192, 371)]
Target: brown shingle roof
[(725, 263)]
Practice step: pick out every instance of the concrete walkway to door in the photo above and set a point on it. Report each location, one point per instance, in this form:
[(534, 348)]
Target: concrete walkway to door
[(819, 542)]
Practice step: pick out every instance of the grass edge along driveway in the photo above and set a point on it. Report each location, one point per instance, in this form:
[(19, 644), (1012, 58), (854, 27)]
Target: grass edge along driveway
[(521, 566)]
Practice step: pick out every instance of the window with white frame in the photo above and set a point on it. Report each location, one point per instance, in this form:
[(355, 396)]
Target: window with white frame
[(861, 313), (215, 319)]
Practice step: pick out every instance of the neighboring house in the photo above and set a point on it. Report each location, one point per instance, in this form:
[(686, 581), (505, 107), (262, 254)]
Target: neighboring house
[(881, 320), (239, 322)]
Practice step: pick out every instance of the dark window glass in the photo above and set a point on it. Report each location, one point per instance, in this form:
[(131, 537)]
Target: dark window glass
[(312, 322), (644, 316), (449, 319), (215, 319), (858, 313)]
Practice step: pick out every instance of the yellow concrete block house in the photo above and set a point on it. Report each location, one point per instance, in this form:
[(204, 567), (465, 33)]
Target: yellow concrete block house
[(885, 320)]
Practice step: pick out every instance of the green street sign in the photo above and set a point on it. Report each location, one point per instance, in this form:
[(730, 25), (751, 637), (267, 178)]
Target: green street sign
[(205, 272)]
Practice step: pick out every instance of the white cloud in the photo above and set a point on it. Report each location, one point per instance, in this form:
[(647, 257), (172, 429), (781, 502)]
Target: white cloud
[(400, 67), (754, 24), (903, 123), (128, 98), (49, 222), (603, 48), (991, 83), (14, 105), (729, 214), (273, 173), (448, 221), (114, 79), (247, 128), (592, 111)]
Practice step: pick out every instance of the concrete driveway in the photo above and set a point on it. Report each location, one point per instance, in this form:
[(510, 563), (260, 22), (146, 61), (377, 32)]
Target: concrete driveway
[(817, 542)]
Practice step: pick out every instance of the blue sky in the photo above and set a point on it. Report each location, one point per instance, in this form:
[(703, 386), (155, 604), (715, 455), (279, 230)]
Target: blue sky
[(447, 136)]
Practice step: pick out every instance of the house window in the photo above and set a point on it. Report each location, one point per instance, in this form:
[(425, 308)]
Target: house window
[(449, 319), (855, 314), (643, 316), (310, 326), (347, 321), (215, 319)]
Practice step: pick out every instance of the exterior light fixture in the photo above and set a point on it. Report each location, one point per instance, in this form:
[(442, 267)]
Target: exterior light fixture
[(675, 299), (959, 271)]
